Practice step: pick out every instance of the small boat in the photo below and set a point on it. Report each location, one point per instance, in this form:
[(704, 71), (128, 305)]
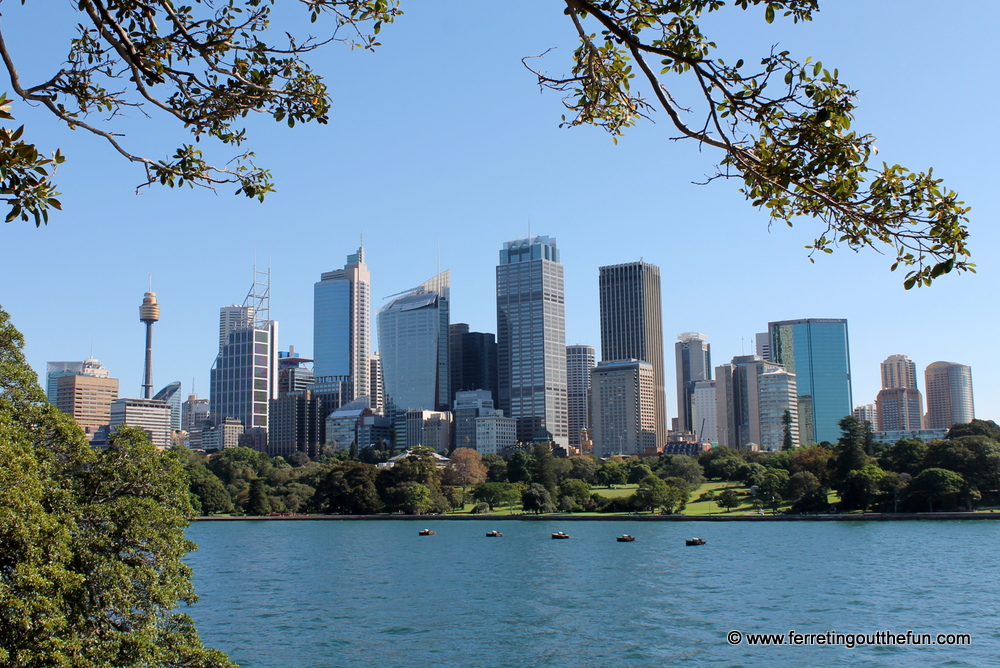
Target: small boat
[(560, 534), (625, 539), (426, 532), (695, 541), (493, 534)]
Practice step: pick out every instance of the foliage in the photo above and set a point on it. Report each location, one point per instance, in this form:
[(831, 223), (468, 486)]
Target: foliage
[(259, 503), (849, 454), (787, 442), (25, 175), (348, 488), (860, 487), (815, 460), (801, 484), (936, 485), (721, 463), (536, 498), (495, 494), (467, 466), (783, 127), (680, 466), (206, 67), (91, 542), (638, 473), (496, 468), (905, 456), (543, 468), (727, 499), (584, 468), (211, 494), (519, 467), (987, 428), (412, 498), (575, 489), (773, 486), (610, 473)]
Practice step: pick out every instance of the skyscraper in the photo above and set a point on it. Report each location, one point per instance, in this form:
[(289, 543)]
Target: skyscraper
[(816, 350), (341, 328), (632, 325), (413, 345), (244, 377), (531, 338), (473, 360), (949, 395), (56, 370), (87, 398), (579, 363), (171, 395), (693, 357), (899, 406), (752, 396), (624, 410)]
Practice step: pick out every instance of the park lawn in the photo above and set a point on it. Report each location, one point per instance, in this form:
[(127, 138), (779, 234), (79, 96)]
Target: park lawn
[(616, 492)]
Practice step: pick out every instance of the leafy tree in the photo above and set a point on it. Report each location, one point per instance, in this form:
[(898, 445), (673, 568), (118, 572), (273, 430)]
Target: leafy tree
[(519, 467), (651, 494), (814, 459), (467, 465), (987, 428), (576, 490), (722, 463), (937, 485), (751, 474), (495, 493), (610, 473), (412, 498), (860, 487), (259, 503), (297, 459), (370, 454), (783, 127), (91, 541), (905, 456), (727, 499), (496, 468), (802, 483), (543, 468), (787, 443), (583, 468), (211, 494), (814, 501), (536, 498), (681, 466), (774, 486), (348, 488), (638, 473), (850, 454)]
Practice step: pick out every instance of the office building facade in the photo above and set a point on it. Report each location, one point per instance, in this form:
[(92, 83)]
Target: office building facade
[(413, 346), (473, 360), (531, 338), (150, 415), (87, 399), (341, 329), (56, 370), (949, 395), (632, 325), (624, 410), (752, 397), (580, 362), (816, 350), (693, 359)]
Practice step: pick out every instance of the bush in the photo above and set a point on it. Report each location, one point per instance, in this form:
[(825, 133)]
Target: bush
[(480, 509)]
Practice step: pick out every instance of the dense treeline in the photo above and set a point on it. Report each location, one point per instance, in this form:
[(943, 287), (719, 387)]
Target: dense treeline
[(908, 476)]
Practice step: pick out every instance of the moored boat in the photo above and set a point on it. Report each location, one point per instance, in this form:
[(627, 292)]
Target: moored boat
[(493, 534), (426, 532), (560, 534), (695, 541), (625, 538)]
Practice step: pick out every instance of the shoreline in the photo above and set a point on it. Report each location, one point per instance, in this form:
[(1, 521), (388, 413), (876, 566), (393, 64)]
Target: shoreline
[(868, 517)]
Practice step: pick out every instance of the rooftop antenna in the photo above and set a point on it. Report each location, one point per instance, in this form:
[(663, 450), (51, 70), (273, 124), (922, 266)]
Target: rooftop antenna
[(439, 254)]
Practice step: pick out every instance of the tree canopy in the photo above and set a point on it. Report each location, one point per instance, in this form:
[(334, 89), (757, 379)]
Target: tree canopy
[(782, 127)]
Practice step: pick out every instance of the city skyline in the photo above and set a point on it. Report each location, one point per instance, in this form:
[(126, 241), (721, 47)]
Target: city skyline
[(468, 172)]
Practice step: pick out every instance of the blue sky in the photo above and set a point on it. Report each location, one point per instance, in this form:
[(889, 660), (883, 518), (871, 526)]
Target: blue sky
[(441, 143)]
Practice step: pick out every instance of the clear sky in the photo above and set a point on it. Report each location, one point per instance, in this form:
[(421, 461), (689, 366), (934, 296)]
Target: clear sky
[(441, 147)]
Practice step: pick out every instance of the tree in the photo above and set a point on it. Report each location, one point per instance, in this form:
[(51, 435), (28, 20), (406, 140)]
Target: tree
[(860, 487), (495, 494), (774, 486), (802, 483), (496, 468), (536, 498), (987, 428), (727, 499), (937, 485), (412, 498), (259, 503), (583, 468), (610, 473), (722, 463), (347, 488), (211, 493), (782, 127), (849, 454), (519, 467), (786, 440), (467, 465), (91, 542), (681, 466), (576, 490), (543, 469), (638, 473), (905, 456), (814, 459), (651, 494)]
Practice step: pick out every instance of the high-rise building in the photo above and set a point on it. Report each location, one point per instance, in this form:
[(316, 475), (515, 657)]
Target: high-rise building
[(816, 350), (580, 362), (293, 376), (624, 410), (693, 357), (531, 338), (171, 395), (244, 377), (341, 328), (495, 433), (762, 346), (376, 385), (413, 346), (431, 429), (949, 395), (473, 360), (56, 370), (469, 406), (297, 424), (195, 416), (703, 411), (752, 397), (898, 371), (88, 399), (151, 415), (632, 326), (867, 413)]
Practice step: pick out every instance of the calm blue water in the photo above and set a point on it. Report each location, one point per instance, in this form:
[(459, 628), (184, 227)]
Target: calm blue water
[(374, 593)]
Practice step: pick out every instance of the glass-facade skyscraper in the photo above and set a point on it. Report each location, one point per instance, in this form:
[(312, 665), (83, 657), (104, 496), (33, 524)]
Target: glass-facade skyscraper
[(632, 325), (949, 395), (531, 338), (580, 361), (816, 350), (341, 329), (413, 344), (693, 359)]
